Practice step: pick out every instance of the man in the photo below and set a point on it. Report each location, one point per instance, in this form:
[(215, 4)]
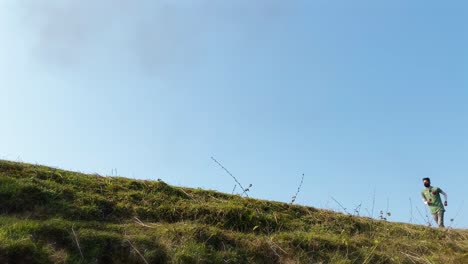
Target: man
[(431, 197)]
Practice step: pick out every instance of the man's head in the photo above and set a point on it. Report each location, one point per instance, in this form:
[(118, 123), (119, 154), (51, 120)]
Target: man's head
[(427, 182)]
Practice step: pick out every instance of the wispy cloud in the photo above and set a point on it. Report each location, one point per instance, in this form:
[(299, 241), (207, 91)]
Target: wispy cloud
[(152, 34)]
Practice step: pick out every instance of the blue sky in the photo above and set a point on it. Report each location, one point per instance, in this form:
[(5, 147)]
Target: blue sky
[(363, 97)]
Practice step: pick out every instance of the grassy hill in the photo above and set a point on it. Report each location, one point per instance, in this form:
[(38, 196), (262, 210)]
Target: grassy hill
[(49, 215)]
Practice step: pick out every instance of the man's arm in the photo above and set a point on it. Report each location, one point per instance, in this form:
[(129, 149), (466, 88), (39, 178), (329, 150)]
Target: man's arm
[(445, 196), (423, 198)]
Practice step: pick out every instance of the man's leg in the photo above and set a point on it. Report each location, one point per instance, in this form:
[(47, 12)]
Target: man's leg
[(436, 218), (441, 218)]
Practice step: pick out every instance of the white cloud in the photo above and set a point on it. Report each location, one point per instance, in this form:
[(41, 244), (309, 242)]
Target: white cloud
[(152, 34)]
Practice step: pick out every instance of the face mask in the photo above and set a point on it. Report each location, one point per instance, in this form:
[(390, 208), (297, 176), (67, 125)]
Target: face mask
[(426, 184)]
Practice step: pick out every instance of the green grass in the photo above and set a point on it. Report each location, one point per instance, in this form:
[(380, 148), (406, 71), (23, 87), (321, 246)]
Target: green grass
[(45, 213)]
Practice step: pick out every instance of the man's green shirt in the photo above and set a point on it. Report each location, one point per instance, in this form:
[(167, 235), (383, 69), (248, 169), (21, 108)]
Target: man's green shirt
[(432, 196)]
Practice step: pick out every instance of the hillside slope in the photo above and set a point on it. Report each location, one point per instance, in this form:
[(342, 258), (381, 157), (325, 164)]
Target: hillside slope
[(55, 216)]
